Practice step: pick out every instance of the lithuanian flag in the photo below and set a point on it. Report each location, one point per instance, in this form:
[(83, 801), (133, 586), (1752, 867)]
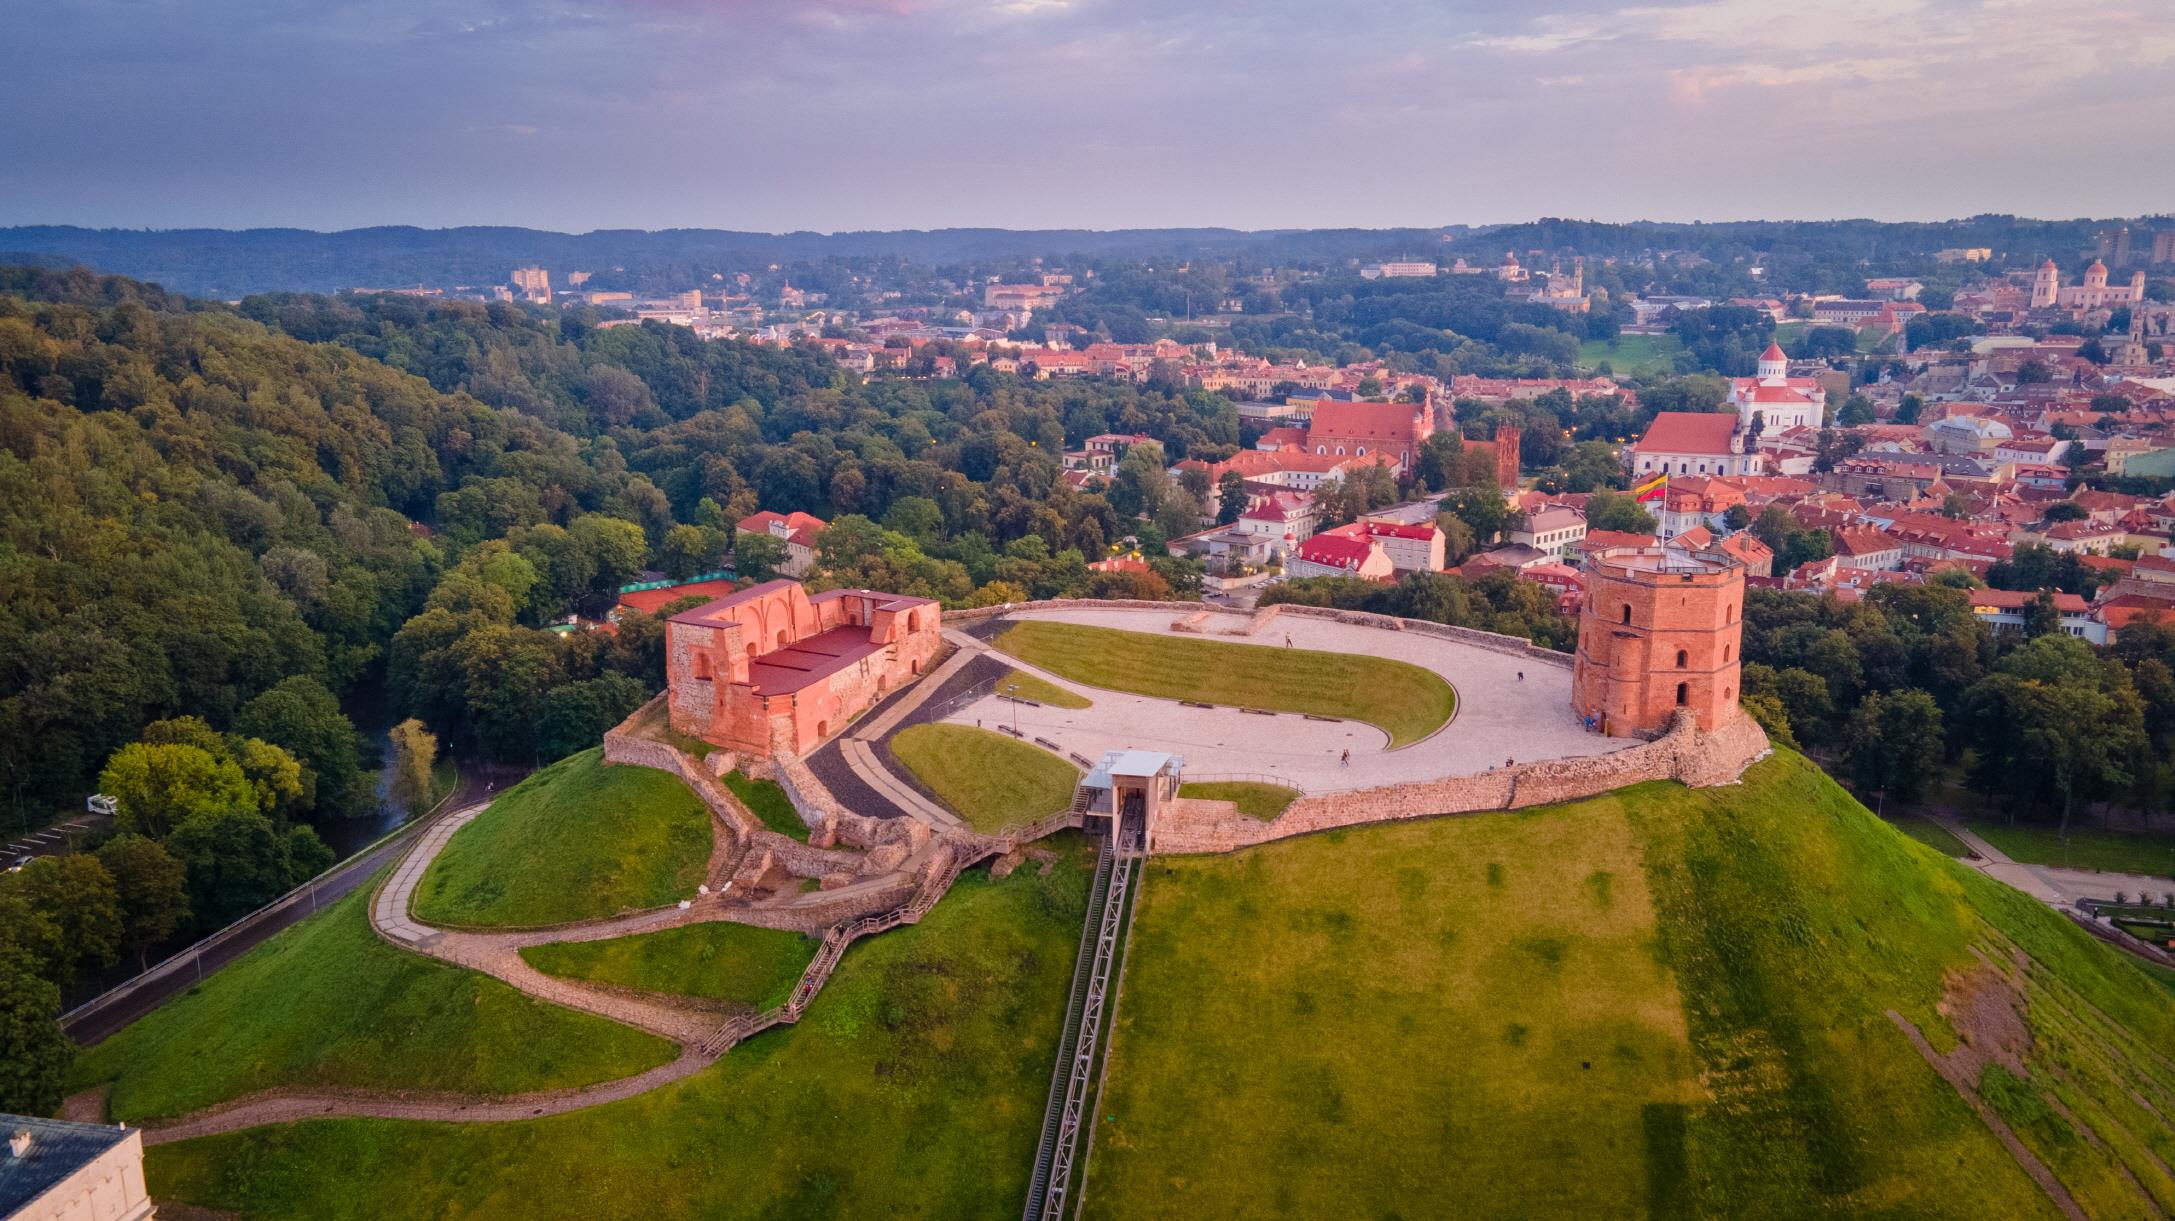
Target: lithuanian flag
[(1652, 489)]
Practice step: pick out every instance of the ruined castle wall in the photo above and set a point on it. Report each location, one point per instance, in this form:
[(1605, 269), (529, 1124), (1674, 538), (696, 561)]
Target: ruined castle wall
[(1685, 754)]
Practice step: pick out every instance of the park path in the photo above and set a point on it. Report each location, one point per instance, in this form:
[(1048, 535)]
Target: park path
[(701, 1032), (2055, 885)]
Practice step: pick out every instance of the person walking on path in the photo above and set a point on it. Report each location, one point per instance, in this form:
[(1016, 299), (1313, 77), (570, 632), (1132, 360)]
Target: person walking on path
[(1287, 640), (1345, 760)]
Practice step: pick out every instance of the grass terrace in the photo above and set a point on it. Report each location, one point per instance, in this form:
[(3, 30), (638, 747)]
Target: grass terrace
[(766, 799), (1028, 687), (736, 964), (1403, 700), (578, 840), (1659, 1002), (2085, 848), (1254, 798), (986, 778), (328, 1004), (913, 1088)]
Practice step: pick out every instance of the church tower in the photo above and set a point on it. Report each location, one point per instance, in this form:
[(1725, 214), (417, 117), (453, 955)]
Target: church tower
[(2046, 285), (1773, 364), (1659, 632)]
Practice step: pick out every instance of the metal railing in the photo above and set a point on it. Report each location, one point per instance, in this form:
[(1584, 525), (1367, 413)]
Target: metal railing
[(1054, 1163)]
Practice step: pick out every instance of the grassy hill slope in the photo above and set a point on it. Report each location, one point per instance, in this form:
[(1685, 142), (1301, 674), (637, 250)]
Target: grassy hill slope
[(1659, 1002)]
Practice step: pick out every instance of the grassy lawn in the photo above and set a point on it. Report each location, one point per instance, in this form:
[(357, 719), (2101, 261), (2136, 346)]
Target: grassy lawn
[(1632, 354), (1255, 799), (913, 1088), (986, 778), (2087, 848), (326, 1003), (576, 841), (754, 968), (1930, 833), (1028, 687), (768, 802), (1401, 699), (1661, 1002)]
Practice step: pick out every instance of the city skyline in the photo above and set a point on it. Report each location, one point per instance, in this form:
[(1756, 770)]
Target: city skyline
[(904, 114)]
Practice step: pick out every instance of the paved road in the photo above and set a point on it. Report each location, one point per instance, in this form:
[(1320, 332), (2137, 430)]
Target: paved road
[(96, 1025), (49, 841)]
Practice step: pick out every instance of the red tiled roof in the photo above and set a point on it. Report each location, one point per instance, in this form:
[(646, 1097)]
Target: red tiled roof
[(1689, 432)]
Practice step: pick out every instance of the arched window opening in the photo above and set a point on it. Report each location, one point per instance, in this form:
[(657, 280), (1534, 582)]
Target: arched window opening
[(1684, 694), (1727, 651), (1627, 612), (1684, 658)]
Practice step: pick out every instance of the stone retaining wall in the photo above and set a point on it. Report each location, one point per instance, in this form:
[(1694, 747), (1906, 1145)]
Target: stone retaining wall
[(814, 918), (1684, 754)]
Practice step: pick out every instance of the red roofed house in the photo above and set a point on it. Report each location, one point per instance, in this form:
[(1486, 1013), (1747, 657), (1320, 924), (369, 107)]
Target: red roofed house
[(1411, 548), (1693, 443), (1359, 429), (799, 530), (2005, 610), (772, 671), (1867, 547), (1341, 552), (1757, 557)]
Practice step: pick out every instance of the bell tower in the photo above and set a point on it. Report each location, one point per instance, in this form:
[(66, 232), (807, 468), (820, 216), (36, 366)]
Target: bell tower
[(1660, 631)]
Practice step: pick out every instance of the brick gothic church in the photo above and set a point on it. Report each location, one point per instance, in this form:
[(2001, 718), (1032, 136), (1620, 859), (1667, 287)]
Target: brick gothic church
[(771, 670), (1660, 630)]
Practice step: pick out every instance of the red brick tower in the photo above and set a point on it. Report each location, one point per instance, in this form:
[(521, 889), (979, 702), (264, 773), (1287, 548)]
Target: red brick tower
[(1659, 631)]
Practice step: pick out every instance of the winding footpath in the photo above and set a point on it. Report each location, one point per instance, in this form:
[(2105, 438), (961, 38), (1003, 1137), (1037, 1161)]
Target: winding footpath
[(701, 1030)]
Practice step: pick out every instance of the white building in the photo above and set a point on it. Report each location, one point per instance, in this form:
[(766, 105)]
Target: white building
[(1781, 401), (1555, 529), (53, 1170)]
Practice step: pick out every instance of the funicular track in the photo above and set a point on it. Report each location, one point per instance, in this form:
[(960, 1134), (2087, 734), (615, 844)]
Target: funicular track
[(1073, 1081)]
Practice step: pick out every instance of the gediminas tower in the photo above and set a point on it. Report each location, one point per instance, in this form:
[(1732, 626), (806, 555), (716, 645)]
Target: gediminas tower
[(1659, 631)]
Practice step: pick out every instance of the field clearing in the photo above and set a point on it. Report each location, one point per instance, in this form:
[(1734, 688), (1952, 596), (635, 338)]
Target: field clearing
[(1403, 700), (2086, 847), (1632, 355), (579, 840)]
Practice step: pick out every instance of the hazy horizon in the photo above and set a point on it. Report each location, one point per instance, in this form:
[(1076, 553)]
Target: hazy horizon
[(858, 115)]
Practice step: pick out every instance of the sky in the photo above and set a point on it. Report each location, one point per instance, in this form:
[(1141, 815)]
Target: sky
[(887, 114)]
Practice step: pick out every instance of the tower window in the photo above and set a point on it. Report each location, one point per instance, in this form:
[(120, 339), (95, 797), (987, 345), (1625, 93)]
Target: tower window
[(1627, 612), (1728, 649), (1684, 694), (1683, 659)]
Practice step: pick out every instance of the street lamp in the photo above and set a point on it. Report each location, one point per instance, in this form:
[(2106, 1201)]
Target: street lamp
[(1013, 690)]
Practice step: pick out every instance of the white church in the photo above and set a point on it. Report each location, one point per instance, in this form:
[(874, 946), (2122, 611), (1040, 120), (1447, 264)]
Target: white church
[(1782, 402)]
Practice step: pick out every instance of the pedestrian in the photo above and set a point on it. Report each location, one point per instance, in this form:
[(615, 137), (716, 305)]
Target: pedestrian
[(1510, 763), (1521, 676), (1345, 760), (1287, 640)]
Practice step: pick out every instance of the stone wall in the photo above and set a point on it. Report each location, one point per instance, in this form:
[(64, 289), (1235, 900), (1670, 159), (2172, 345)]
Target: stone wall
[(1685, 754)]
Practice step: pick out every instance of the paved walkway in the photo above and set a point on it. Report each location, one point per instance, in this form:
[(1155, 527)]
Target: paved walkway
[(1499, 716), (2053, 884)]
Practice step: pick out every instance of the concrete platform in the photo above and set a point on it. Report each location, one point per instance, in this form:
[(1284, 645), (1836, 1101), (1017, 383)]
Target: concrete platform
[(1499, 716)]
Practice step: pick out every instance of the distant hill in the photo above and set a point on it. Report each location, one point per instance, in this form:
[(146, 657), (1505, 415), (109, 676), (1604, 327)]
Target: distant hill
[(230, 263)]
